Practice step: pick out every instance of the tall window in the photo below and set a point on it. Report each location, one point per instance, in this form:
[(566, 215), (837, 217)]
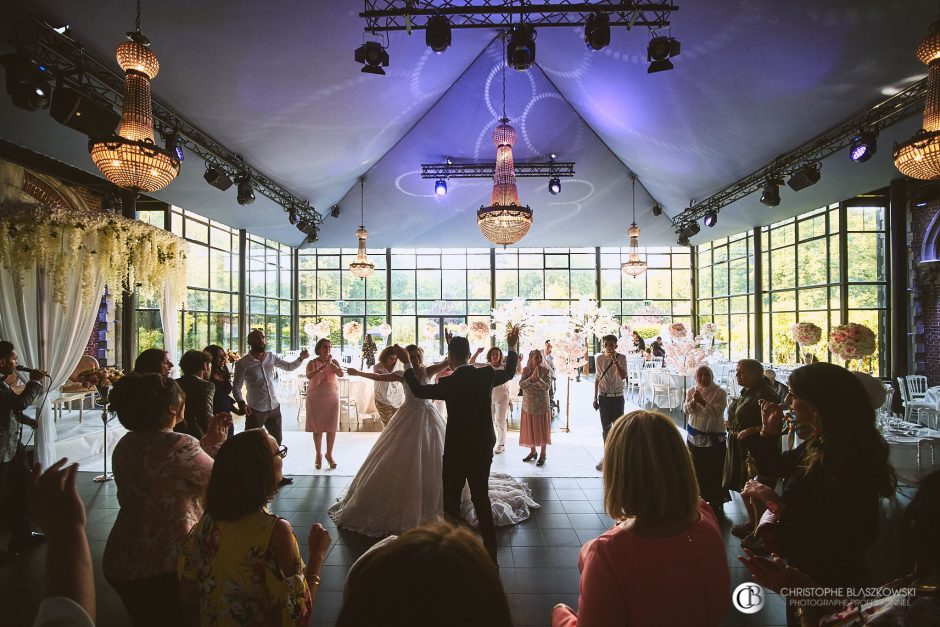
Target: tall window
[(270, 290), (725, 292)]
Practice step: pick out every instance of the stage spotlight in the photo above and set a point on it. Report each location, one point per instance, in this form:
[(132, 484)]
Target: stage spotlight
[(659, 51), (172, 144), (246, 194), (292, 214), (437, 33), (691, 229), (683, 240), (554, 185), (863, 146), (335, 211), (520, 49), (657, 210), (27, 82), (373, 57), (440, 187), (597, 31), (771, 194), (711, 218), (217, 178), (808, 175)]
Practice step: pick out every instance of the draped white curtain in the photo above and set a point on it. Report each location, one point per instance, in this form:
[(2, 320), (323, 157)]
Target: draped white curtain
[(48, 335), (170, 306)]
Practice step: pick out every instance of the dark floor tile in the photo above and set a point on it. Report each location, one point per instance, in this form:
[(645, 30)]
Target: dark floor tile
[(341, 555), (564, 556), (333, 578), (551, 507), (504, 557), (586, 535), (561, 537), (328, 605), (544, 494), (536, 580), (527, 537), (578, 507), (572, 494), (531, 557), (587, 521), (507, 575), (554, 521), (565, 484), (569, 580)]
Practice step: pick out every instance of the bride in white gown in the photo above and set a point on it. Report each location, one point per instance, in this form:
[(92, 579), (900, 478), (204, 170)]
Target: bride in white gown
[(399, 484)]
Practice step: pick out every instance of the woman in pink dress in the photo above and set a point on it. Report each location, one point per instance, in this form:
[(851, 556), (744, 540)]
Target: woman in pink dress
[(323, 399), (664, 563), (535, 424)]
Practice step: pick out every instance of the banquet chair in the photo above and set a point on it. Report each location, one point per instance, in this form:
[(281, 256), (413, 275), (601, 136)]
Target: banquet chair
[(910, 405), (633, 374), (657, 362), (731, 385), (346, 404), (301, 398), (664, 391), (916, 386), (515, 402)]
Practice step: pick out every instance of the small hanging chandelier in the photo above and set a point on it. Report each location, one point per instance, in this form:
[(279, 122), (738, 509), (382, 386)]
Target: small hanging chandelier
[(919, 157), (362, 266), (634, 266), (504, 221), (130, 159)]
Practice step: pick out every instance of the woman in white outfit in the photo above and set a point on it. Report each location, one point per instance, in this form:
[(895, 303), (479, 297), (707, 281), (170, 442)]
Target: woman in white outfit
[(494, 358), (399, 484)]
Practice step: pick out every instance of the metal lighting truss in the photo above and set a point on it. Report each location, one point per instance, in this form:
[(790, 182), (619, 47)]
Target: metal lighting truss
[(891, 111), (395, 15), (65, 59), (484, 170)]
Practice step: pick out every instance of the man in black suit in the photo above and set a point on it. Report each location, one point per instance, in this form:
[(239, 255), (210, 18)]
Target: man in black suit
[(199, 393), (469, 438), (14, 476)]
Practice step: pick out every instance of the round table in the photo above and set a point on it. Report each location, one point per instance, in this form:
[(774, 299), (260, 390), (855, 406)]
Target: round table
[(914, 451)]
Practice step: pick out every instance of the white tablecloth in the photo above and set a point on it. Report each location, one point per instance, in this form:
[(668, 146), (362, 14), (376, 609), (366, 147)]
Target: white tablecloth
[(363, 392), (913, 455), (933, 396), (652, 381)]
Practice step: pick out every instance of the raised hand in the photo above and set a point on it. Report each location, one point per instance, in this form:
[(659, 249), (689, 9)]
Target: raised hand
[(512, 338), (304, 354), (318, 543), (217, 429), (56, 503), (448, 336)]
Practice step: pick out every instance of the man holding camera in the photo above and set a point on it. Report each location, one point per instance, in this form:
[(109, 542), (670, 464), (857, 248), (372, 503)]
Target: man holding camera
[(611, 372)]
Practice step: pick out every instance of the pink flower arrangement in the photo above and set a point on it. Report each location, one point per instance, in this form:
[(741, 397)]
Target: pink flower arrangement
[(678, 330), (852, 341), (709, 329), (806, 333), (478, 331), (104, 377)]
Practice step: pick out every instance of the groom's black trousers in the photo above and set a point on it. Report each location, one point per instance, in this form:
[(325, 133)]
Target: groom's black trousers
[(475, 470)]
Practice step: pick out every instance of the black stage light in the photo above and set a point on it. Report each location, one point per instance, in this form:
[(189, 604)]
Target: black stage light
[(27, 82), (85, 114), (683, 239), (172, 145), (520, 49), (554, 185), (292, 214), (657, 209), (691, 229), (863, 146), (659, 51), (373, 57), (808, 175), (711, 218), (217, 178), (771, 194), (246, 193), (597, 31), (437, 33), (334, 211)]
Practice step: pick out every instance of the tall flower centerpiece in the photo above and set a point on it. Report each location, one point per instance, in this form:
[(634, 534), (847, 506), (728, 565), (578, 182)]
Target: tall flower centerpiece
[(352, 332), (316, 331), (513, 314), (102, 379), (709, 330), (678, 331), (569, 356), (478, 334), (806, 334), (687, 353), (852, 341)]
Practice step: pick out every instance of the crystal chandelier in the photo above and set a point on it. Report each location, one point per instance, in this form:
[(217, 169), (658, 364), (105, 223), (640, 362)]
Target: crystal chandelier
[(634, 266), (362, 266), (919, 157), (504, 221), (131, 160)]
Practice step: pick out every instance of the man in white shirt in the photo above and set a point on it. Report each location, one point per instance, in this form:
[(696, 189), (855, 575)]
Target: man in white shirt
[(389, 395), (609, 384), (256, 372)]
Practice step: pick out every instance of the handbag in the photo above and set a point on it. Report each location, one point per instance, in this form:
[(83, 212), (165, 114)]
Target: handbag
[(596, 404)]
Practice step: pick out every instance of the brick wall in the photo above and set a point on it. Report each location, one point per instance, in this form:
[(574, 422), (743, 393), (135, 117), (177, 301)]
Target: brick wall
[(925, 299)]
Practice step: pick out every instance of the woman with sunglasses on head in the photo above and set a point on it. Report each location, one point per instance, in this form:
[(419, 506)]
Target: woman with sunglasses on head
[(241, 564)]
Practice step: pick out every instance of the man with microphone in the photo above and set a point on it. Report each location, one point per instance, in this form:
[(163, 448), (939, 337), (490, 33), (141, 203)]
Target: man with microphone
[(14, 476)]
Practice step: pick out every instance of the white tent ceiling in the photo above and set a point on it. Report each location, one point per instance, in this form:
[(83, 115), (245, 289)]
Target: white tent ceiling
[(277, 83)]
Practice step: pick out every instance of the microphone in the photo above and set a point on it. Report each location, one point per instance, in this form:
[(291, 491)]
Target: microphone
[(30, 370)]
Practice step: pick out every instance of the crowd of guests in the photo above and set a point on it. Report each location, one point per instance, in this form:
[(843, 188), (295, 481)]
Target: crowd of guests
[(194, 542)]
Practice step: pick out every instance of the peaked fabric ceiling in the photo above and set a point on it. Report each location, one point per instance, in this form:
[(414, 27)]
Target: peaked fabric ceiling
[(278, 84)]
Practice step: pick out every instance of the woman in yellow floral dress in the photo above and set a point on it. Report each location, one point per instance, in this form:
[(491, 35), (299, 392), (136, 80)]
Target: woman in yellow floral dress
[(241, 565)]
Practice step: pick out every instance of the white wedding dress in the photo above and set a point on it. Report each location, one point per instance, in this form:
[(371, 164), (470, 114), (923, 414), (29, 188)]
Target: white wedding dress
[(399, 484)]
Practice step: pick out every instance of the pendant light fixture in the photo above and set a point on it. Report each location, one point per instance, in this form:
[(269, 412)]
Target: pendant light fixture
[(362, 266), (919, 157), (130, 159), (504, 221), (634, 266)]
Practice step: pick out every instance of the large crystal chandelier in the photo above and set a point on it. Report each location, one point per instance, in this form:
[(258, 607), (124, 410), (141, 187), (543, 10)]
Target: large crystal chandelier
[(131, 160), (634, 266), (919, 157), (504, 221), (362, 266)]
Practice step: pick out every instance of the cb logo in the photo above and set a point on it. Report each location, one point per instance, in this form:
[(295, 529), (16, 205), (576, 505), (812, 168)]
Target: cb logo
[(748, 598)]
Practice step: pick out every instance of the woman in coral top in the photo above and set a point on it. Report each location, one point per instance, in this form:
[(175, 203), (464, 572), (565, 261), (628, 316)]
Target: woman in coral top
[(664, 563)]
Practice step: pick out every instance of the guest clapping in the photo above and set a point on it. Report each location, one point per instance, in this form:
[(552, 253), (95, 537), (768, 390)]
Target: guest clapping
[(705, 405), (429, 576), (241, 564), (323, 400), (535, 423), (161, 479), (667, 539)]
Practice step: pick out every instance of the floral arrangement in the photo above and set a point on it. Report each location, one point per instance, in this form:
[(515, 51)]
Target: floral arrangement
[(125, 252), (852, 341), (678, 331), (511, 314), (569, 354), (589, 319), (430, 330), (104, 377), (709, 329), (686, 355), (479, 332), (806, 333), (352, 331), (385, 329), (317, 330), (232, 356), (458, 329)]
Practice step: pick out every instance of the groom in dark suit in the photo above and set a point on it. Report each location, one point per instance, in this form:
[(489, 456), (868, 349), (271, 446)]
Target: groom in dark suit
[(469, 439)]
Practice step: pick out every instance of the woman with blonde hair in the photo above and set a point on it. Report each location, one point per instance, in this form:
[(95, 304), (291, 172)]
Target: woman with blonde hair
[(667, 539)]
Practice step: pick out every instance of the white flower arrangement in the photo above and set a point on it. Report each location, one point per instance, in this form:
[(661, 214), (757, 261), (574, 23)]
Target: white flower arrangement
[(709, 329), (479, 332), (678, 331), (127, 252), (430, 330), (385, 329), (589, 319), (352, 331), (511, 314), (569, 354)]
